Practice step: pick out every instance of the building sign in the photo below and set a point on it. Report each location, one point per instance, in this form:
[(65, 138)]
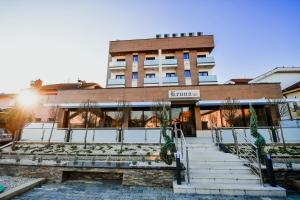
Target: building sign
[(184, 94)]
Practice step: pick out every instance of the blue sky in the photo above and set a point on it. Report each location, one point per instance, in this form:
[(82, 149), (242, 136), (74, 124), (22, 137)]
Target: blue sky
[(63, 40)]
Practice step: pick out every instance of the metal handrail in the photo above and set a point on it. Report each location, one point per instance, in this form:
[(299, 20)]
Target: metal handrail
[(183, 144), (248, 146)]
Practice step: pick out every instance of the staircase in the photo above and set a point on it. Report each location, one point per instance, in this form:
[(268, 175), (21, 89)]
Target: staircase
[(217, 173)]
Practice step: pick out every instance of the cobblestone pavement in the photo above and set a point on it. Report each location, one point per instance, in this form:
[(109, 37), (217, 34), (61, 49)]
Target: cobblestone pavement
[(74, 190)]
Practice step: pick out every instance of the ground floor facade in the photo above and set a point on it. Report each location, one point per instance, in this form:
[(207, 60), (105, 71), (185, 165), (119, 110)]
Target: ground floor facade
[(193, 107)]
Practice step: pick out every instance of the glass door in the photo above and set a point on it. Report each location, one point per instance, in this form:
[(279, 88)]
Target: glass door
[(185, 117)]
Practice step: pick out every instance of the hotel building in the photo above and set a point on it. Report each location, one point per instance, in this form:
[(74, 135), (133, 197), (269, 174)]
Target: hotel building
[(176, 69)]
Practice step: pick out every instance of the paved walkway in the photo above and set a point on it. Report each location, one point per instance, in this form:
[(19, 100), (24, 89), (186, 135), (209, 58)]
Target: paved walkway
[(73, 190)]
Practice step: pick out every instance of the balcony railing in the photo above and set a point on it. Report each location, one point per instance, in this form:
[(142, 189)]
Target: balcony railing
[(116, 82), (169, 61), (206, 61), (151, 62), (151, 81), (170, 79), (209, 78), (117, 64)]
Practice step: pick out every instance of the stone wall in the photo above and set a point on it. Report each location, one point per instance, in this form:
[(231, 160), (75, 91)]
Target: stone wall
[(283, 177), (154, 177)]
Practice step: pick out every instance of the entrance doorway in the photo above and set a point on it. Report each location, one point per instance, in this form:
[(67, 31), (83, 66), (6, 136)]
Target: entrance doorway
[(185, 116)]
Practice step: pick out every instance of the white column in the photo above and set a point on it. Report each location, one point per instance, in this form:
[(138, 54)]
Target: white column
[(160, 73)]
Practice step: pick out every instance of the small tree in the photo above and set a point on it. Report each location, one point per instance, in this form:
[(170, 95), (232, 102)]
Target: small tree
[(54, 115), (160, 109), (168, 149), (230, 110), (86, 110), (15, 119), (282, 105), (122, 112), (259, 139)]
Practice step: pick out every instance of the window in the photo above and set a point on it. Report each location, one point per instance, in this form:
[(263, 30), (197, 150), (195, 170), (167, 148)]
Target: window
[(203, 73), (170, 57), (144, 118), (135, 58), (170, 74), (120, 76), (201, 56), (134, 75), (186, 56), (150, 58), (111, 119), (187, 73), (150, 75), (136, 119), (120, 59)]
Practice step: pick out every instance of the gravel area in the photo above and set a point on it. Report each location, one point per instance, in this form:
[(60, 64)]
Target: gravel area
[(97, 149), (11, 182)]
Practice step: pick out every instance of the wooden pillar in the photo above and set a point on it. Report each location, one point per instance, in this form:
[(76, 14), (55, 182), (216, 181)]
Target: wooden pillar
[(198, 118)]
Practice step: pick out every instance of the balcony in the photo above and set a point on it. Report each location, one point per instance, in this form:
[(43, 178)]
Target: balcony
[(151, 81), (116, 82), (151, 63), (117, 65), (208, 79), (170, 80), (206, 61), (169, 62)]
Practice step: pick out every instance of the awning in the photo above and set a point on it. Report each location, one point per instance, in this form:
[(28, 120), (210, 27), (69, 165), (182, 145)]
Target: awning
[(109, 105), (246, 102)]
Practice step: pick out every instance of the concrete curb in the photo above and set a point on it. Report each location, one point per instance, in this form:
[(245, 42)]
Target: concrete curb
[(22, 188)]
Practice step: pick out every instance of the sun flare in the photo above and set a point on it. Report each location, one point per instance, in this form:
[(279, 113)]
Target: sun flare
[(27, 98)]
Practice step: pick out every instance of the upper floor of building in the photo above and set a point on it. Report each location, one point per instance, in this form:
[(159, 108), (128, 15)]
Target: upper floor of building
[(183, 59)]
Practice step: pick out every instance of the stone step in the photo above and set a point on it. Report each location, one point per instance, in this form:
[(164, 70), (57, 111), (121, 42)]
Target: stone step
[(208, 166), (229, 189), (220, 171), (218, 163), (195, 175), (224, 180), (193, 158)]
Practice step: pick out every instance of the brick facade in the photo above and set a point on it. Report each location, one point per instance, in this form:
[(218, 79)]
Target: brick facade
[(140, 94)]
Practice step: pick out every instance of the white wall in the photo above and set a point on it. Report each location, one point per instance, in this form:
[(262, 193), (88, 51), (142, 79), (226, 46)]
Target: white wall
[(286, 79)]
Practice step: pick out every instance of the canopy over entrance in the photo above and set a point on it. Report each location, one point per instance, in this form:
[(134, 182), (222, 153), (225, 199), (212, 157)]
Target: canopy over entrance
[(110, 105), (246, 102)]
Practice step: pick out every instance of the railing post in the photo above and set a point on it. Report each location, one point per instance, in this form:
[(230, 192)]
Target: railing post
[(282, 136), (187, 164), (259, 166), (235, 143), (145, 135), (181, 138), (212, 135)]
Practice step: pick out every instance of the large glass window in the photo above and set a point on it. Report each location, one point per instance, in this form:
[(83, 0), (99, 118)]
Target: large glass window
[(136, 119), (144, 118), (111, 119)]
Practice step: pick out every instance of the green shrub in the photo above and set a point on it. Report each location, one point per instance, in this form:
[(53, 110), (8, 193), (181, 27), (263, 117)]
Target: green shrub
[(134, 162)]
